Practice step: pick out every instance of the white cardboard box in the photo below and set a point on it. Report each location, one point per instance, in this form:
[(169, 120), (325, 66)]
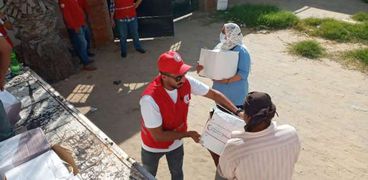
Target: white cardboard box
[(218, 64), (222, 4), (22, 148), (47, 166), (12, 106), (217, 130)]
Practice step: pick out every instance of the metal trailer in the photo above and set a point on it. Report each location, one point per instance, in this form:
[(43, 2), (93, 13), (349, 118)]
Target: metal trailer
[(96, 155)]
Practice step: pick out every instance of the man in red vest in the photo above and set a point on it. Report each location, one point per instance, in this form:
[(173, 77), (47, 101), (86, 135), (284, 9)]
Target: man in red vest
[(124, 16), (6, 130), (5, 25), (74, 19), (164, 108)]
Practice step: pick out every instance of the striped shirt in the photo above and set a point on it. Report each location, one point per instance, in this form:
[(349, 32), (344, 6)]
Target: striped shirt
[(268, 154)]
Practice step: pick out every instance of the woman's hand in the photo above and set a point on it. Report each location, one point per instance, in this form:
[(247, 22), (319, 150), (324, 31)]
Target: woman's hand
[(199, 68)]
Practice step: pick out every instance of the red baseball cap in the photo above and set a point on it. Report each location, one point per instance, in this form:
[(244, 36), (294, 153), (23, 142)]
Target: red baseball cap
[(171, 62)]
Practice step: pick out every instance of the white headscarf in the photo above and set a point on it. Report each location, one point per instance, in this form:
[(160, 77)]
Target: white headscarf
[(232, 37)]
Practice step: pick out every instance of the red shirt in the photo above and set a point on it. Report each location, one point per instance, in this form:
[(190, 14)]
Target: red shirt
[(174, 115), (83, 4), (124, 9), (5, 34), (73, 14)]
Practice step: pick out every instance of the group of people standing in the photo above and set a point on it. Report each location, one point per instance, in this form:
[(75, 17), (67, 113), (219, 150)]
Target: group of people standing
[(123, 17), (262, 150)]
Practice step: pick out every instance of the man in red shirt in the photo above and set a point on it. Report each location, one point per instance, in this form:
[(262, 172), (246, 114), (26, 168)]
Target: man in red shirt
[(84, 5), (6, 130), (74, 19), (124, 16), (5, 25), (164, 108)]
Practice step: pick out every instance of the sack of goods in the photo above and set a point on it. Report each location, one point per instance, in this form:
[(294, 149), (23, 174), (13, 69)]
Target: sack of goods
[(12, 106), (218, 128), (218, 64), (29, 156)]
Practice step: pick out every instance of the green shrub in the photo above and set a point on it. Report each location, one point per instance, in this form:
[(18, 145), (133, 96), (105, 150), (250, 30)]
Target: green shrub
[(359, 32), (248, 14), (334, 29), (360, 16), (309, 48), (313, 21), (278, 20), (360, 55)]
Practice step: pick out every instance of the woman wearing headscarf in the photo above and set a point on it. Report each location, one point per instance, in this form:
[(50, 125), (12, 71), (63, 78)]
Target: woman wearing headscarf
[(236, 87)]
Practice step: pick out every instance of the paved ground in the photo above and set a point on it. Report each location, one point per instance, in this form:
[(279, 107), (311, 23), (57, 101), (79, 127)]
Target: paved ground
[(327, 103)]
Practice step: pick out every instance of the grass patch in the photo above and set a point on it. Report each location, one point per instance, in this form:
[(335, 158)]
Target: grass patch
[(309, 48), (361, 16), (334, 29), (360, 55), (278, 20), (259, 15)]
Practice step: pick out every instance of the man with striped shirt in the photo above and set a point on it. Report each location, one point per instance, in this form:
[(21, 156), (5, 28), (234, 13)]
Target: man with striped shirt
[(264, 150)]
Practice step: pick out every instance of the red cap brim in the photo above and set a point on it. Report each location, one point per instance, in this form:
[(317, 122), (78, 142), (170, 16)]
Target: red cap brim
[(184, 68)]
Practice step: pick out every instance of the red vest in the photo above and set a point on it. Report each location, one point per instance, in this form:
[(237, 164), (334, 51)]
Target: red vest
[(124, 9), (174, 116), (5, 34)]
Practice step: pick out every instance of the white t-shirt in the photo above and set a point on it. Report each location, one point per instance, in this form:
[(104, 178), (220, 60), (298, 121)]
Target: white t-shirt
[(151, 112)]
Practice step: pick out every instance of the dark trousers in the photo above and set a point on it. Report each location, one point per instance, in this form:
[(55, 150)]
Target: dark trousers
[(6, 130), (81, 43), (126, 27), (174, 158)]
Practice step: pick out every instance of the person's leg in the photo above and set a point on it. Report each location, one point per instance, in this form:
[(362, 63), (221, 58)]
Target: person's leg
[(123, 33), (218, 177), (73, 50), (150, 161), (175, 162), (133, 30), (6, 130), (80, 44), (87, 35)]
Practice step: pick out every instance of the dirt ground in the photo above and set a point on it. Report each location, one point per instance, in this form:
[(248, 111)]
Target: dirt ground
[(327, 103)]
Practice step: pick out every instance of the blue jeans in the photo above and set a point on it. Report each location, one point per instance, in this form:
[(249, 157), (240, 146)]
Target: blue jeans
[(87, 35), (6, 130), (80, 43), (126, 26), (174, 159)]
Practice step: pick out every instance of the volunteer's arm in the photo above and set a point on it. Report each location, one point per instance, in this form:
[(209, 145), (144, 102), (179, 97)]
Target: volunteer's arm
[(161, 135), (220, 98), (5, 51)]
